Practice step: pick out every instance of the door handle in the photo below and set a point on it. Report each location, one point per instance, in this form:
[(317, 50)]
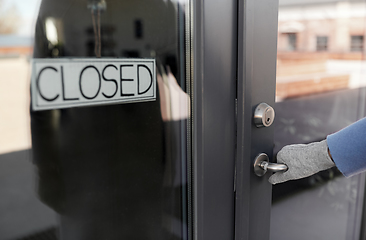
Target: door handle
[(262, 165)]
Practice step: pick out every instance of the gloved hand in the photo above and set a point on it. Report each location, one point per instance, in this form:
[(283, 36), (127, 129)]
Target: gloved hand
[(303, 160)]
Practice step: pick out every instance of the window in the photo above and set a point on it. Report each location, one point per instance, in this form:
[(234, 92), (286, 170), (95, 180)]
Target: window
[(292, 39), (321, 43), (357, 43)]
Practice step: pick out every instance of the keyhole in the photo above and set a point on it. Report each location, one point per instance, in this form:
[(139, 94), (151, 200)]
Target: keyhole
[(268, 120)]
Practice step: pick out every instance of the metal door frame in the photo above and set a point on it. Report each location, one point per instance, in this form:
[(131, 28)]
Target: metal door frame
[(214, 119), (257, 54), (234, 69)]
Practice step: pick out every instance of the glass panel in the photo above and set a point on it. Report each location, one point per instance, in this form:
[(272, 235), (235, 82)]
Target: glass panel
[(100, 172), (319, 93)]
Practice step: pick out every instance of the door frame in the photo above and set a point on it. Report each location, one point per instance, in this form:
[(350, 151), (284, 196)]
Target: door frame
[(214, 118), (234, 69), (257, 54)]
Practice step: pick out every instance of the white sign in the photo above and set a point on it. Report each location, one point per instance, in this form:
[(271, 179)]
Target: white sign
[(65, 83)]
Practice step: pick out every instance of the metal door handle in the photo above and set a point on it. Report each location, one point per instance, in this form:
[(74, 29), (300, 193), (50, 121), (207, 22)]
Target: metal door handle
[(262, 165)]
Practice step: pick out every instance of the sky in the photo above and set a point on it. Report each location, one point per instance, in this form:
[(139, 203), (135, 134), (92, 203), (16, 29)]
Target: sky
[(28, 10)]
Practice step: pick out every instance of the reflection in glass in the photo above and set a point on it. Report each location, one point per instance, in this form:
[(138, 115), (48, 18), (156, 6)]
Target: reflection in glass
[(21, 212), (320, 90), (114, 171)]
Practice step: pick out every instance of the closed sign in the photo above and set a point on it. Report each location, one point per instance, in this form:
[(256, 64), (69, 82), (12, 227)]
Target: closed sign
[(64, 83)]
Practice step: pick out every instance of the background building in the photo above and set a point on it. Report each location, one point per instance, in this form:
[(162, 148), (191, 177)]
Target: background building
[(336, 27), (319, 43)]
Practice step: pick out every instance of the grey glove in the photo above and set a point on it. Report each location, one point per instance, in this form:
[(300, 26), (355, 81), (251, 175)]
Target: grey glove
[(303, 160)]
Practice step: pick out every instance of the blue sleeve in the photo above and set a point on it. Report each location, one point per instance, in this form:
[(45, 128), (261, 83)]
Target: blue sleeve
[(348, 148)]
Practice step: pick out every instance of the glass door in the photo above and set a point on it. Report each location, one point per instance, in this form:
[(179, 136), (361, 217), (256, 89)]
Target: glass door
[(319, 53), (110, 164), (114, 170)]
